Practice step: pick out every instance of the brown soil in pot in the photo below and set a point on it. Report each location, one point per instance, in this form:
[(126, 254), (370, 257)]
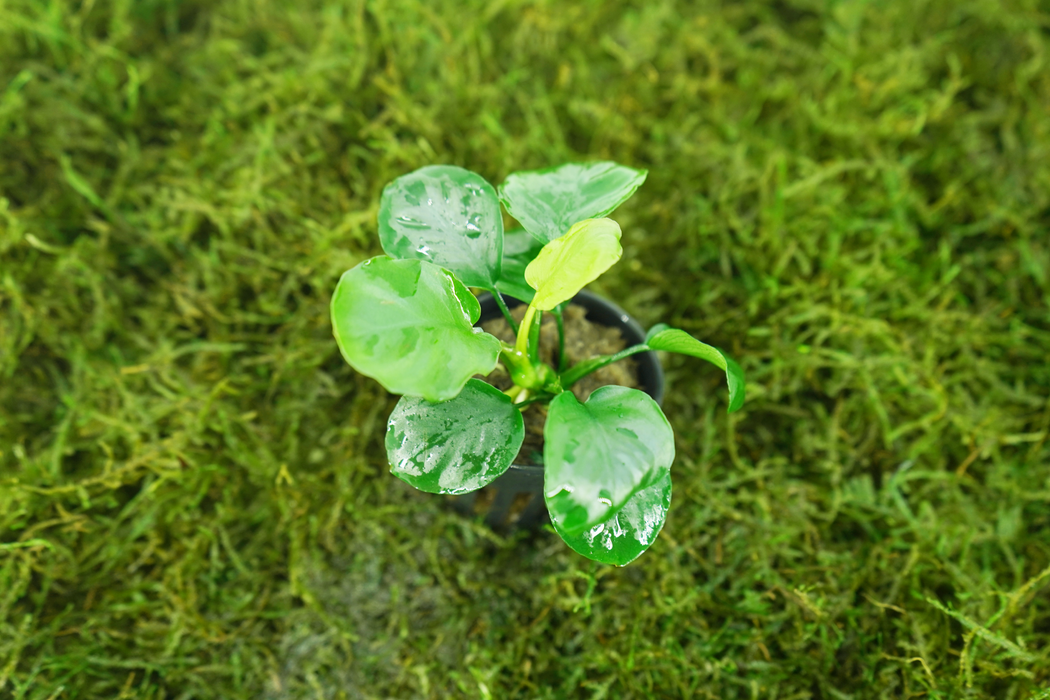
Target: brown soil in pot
[(583, 340)]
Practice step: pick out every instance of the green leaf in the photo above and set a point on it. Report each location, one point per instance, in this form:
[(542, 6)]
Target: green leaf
[(548, 202), (456, 446), (623, 537), (519, 249), (663, 337), (567, 264), (408, 324), (448, 216), (599, 453)]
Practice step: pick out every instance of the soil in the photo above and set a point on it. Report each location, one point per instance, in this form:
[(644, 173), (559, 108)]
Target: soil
[(583, 340)]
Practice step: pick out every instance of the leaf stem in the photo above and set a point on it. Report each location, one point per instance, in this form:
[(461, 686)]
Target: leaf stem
[(560, 321), (582, 369), (522, 344), (506, 312), (521, 370), (518, 393), (534, 339), (530, 401)]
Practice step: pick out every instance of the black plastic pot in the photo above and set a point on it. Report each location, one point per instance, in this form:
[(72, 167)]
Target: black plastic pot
[(515, 499)]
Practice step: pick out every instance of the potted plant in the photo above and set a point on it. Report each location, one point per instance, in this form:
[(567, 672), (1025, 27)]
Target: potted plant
[(592, 326), (407, 320)]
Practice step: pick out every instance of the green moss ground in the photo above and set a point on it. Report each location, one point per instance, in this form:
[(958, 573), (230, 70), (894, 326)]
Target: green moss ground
[(853, 198)]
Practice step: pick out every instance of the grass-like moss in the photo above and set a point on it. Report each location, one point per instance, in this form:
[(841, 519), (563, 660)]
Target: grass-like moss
[(851, 198)]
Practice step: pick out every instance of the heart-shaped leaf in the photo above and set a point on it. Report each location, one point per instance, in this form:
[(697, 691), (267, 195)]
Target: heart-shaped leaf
[(408, 324), (448, 216), (599, 453), (548, 202), (519, 249), (663, 337), (567, 264), (623, 537), (456, 446)]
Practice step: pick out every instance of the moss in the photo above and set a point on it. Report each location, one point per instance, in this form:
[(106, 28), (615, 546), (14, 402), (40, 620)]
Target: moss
[(852, 199)]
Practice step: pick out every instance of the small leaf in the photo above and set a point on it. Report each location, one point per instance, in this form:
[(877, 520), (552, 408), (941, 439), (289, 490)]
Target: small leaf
[(623, 537), (567, 264), (548, 202), (519, 249), (663, 337), (408, 324), (448, 216), (599, 453), (456, 446)]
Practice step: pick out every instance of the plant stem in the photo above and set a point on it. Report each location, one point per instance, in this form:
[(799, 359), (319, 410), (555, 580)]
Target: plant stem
[(522, 344), (521, 370), (582, 369), (534, 339), (562, 361), (519, 394), (506, 312)]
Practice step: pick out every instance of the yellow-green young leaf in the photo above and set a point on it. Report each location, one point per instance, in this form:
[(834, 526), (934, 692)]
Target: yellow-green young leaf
[(567, 264)]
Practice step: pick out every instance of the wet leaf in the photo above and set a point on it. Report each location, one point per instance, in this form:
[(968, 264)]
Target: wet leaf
[(548, 202), (663, 337), (448, 216), (599, 453), (567, 264), (623, 537), (408, 324), (455, 446)]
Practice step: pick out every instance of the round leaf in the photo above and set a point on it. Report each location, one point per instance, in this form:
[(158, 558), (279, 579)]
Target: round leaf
[(409, 325), (456, 446), (548, 202), (448, 216), (567, 264), (597, 454), (519, 249), (623, 537), (663, 337)]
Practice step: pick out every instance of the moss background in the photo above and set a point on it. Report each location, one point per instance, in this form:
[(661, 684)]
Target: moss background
[(853, 198)]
